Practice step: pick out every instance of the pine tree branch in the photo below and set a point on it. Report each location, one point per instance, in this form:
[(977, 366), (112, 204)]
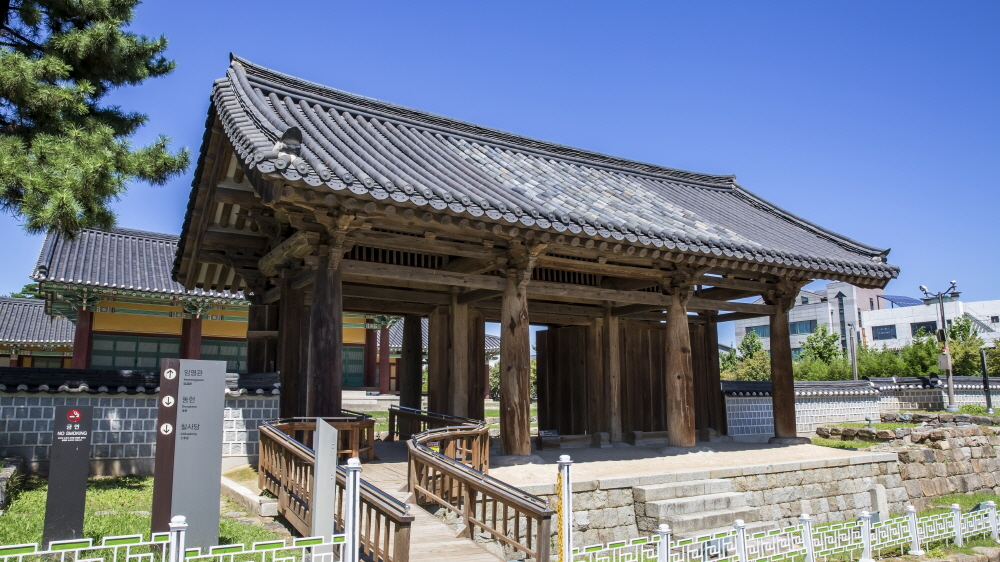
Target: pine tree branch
[(8, 29)]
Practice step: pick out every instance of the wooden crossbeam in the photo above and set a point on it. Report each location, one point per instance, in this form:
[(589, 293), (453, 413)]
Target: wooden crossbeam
[(634, 309), (296, 246), (477, 295)]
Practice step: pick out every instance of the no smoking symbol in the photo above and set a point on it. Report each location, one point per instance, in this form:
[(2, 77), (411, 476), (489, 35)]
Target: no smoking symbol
[(73, 416)]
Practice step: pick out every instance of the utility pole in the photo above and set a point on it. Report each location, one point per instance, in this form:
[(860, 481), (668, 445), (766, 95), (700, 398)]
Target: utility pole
[(952, 291), (854, 350)]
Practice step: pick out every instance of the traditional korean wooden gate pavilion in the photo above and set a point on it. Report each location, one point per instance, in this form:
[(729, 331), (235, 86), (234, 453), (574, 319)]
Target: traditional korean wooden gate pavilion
[(324, 201)]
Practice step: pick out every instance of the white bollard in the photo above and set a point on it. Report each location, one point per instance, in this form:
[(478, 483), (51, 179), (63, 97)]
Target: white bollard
[(807, 537), (663, 545), (352, 511), (956, 515), (741, 540), (911, 514), (866, 537), (178, 528), (992, 507), (566, 508)]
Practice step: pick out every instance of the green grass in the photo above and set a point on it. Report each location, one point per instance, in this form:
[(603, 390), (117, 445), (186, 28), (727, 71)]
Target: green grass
[(115, 506), (878, 425), (838, 444)]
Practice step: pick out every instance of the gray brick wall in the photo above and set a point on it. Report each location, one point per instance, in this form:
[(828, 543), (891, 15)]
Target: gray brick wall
[(124, 426)]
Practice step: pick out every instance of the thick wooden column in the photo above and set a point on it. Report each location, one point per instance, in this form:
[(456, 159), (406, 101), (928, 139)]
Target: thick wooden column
[(680, 381), (262, 353), (477, 363), (291, 401), (81, 338), (384, 367), (326, 341), (458, 354), (191, 338), (597, 397), (515, 364), (410, 367), (371, 358), (782, 380), (717, 400), (612, 375), (438, 362)]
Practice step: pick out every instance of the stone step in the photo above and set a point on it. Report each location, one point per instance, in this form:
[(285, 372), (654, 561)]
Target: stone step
[(696, 504), (752, 527), (671, 490), (694, 523)]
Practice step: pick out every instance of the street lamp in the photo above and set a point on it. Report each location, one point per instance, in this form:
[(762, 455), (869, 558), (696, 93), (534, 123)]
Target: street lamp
[(854, 350), (951, 291)]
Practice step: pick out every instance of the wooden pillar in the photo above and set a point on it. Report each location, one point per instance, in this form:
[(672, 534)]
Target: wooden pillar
[(262, 324), (458, 354), (597, 398), (782, 381), (515, 364), (371, 358), (680, 382), (290, 334), (477, 362), (326, 341), (384, 368), (191, 338), (81, 338), (410, 367), (438, 362), (717, 400), (612, 375)]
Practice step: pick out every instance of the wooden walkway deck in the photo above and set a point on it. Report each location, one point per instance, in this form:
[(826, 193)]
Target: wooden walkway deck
[(430, 539)]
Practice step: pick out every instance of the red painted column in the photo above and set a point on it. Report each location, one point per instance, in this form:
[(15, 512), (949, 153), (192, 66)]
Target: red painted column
[(371, 357), (384, 369), (191, 338), (81, 339)]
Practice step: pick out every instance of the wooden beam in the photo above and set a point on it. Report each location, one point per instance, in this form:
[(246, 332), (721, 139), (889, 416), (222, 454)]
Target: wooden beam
[(782, 379), (459, 357), (296, 246), (233, 240), (719, 294), (515, 359), (262, 334), (379, 306), (399, 295), (273, 295), (389, 241), (477, 295), (471, 265), (680, 376), (635, 309), (359, 271), (756, 287), (243, 198), (620, 284), (733, 316), (612, 270), (326, 343), (612, 375)]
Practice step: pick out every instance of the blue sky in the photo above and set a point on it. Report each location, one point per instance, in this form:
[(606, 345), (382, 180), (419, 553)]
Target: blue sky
[(877, 120)]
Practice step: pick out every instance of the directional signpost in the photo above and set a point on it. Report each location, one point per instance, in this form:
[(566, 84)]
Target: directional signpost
[(188, 467), (69, 465)]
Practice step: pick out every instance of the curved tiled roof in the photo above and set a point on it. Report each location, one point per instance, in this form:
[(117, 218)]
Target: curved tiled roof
[(96, 381), (396, 338), (802, 388), (118, 258), (23, 321), (366, 147)]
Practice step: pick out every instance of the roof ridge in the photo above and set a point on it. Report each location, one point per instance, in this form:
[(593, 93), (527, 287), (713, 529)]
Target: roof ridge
[(16, 300), (493, 135)]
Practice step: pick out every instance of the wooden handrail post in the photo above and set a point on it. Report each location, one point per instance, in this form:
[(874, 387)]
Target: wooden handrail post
[(392, 425)]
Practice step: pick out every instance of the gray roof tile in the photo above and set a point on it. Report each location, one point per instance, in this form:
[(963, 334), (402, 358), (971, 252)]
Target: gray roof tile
[(396, 338), (365, 146), (119, 258), (23, 321)]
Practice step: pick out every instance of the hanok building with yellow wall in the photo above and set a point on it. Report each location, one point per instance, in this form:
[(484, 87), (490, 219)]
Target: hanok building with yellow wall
[(115, 286), (31, 338)]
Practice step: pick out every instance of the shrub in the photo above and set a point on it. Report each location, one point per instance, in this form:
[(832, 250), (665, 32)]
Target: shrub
[(973, 409)]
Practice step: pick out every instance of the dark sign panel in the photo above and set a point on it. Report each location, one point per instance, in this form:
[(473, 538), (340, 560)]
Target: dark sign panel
[(69, 465), (188, 465)]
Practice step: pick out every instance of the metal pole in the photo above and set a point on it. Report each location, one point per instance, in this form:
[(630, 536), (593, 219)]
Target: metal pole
[(807, 537), (741, 540), (951, 383), (854, 351), (352, 511), (866, 537), (911, 514), (956, 513), (986, 382), (178, 528), (663, 546), (566, 510), (994, 532)]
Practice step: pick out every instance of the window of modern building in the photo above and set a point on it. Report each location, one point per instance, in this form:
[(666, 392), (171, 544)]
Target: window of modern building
[(884, 332), (234, 353), (132, 352), (803, 327), (762, 331), (805, 300), (994, 319), (929, 327), (796, 352)]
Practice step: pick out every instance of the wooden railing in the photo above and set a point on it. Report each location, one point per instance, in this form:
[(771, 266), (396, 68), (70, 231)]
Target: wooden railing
[(285, 469), (519, 521), (355, 433), (467, 440)]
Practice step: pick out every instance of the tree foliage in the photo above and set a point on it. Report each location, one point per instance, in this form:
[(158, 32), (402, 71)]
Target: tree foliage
[(756, 367), (728, 360), (495, 380), (921, 355), (64, 157), (822, 345), (964, 344), (879, 362), (29, 291), (810, 368), (750, 345)]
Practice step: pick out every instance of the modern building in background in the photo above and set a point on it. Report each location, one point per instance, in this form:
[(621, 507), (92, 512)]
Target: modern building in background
[(896, 326), (838, 307)]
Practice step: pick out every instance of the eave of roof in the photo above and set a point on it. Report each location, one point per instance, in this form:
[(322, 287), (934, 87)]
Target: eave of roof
[(376, 149), (24, 322)]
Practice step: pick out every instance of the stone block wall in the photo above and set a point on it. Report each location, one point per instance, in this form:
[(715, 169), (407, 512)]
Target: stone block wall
[(124, 431)]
